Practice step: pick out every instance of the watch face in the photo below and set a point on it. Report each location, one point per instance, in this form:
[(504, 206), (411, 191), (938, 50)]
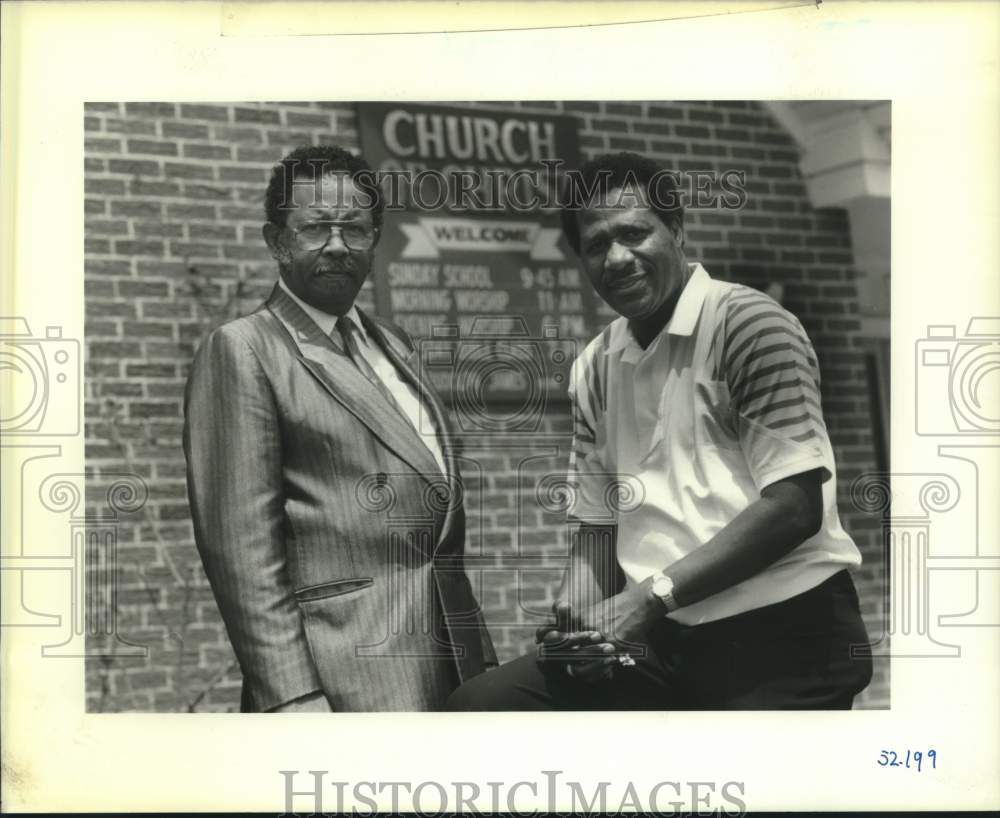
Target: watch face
[(662, 586)]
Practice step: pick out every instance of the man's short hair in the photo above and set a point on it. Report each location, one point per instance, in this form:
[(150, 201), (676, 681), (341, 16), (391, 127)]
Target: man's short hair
[(611, 171), (304, 163)]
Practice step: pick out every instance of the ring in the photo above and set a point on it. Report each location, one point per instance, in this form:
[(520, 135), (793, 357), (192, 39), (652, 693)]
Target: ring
[(569, 671)]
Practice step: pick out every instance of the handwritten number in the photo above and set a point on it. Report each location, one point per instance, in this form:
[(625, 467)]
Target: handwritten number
[(890, 758)]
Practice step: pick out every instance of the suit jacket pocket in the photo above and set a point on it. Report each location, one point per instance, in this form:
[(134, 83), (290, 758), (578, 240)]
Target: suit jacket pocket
[(338, 587)]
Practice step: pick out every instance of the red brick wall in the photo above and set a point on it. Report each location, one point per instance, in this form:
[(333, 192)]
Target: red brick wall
[(174, 205)]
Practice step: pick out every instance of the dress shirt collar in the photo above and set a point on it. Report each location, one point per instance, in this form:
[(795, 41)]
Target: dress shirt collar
[(324, 320), (682, 322)]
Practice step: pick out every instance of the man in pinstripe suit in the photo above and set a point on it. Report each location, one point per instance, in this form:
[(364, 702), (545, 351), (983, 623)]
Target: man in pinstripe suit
[(718, 581), (321, 474)]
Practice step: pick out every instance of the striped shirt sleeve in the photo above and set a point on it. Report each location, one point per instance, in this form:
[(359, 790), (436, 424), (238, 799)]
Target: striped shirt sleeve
[(773, 378), (588, 476)]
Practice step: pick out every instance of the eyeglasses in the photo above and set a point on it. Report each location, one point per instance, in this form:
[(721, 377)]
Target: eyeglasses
[(355, 236)]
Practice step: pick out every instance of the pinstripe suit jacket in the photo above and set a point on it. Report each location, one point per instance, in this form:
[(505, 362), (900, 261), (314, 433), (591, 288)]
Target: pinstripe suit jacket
[(332, 541)]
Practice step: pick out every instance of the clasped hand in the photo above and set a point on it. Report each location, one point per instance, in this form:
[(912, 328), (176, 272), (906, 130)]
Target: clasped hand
[(588, 643)]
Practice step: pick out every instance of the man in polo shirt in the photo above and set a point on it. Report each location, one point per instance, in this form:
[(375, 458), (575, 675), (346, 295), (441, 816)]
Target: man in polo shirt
[(708, 567)]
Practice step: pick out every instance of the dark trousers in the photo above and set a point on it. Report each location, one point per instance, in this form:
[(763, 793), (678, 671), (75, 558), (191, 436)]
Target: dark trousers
[(794, 655)]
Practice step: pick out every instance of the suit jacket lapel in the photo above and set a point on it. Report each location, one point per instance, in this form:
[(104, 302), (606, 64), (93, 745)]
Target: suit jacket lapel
[(401, 359), (345, 383)]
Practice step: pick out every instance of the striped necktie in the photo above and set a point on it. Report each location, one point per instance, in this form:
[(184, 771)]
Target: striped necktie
[(349, 331)]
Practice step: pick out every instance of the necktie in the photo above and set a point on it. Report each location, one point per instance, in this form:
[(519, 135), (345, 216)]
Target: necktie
[(349, 334)]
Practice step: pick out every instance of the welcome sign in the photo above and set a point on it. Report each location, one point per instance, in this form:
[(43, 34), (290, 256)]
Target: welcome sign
[(429, 236), (472, 240)]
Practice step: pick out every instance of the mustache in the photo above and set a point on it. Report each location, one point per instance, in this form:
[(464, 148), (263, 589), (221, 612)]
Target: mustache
[(613, 278), (334, 268)]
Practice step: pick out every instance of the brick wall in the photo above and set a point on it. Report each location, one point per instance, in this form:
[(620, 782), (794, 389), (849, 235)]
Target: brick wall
[(174, 205)]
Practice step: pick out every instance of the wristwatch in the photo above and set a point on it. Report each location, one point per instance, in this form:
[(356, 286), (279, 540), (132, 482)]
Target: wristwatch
[(663, 590)]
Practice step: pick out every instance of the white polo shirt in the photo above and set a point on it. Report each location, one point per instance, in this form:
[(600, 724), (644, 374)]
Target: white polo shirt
[(687, 432), (404, 394)]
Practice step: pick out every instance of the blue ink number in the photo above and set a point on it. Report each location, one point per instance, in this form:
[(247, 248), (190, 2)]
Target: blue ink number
[(913, 760)]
